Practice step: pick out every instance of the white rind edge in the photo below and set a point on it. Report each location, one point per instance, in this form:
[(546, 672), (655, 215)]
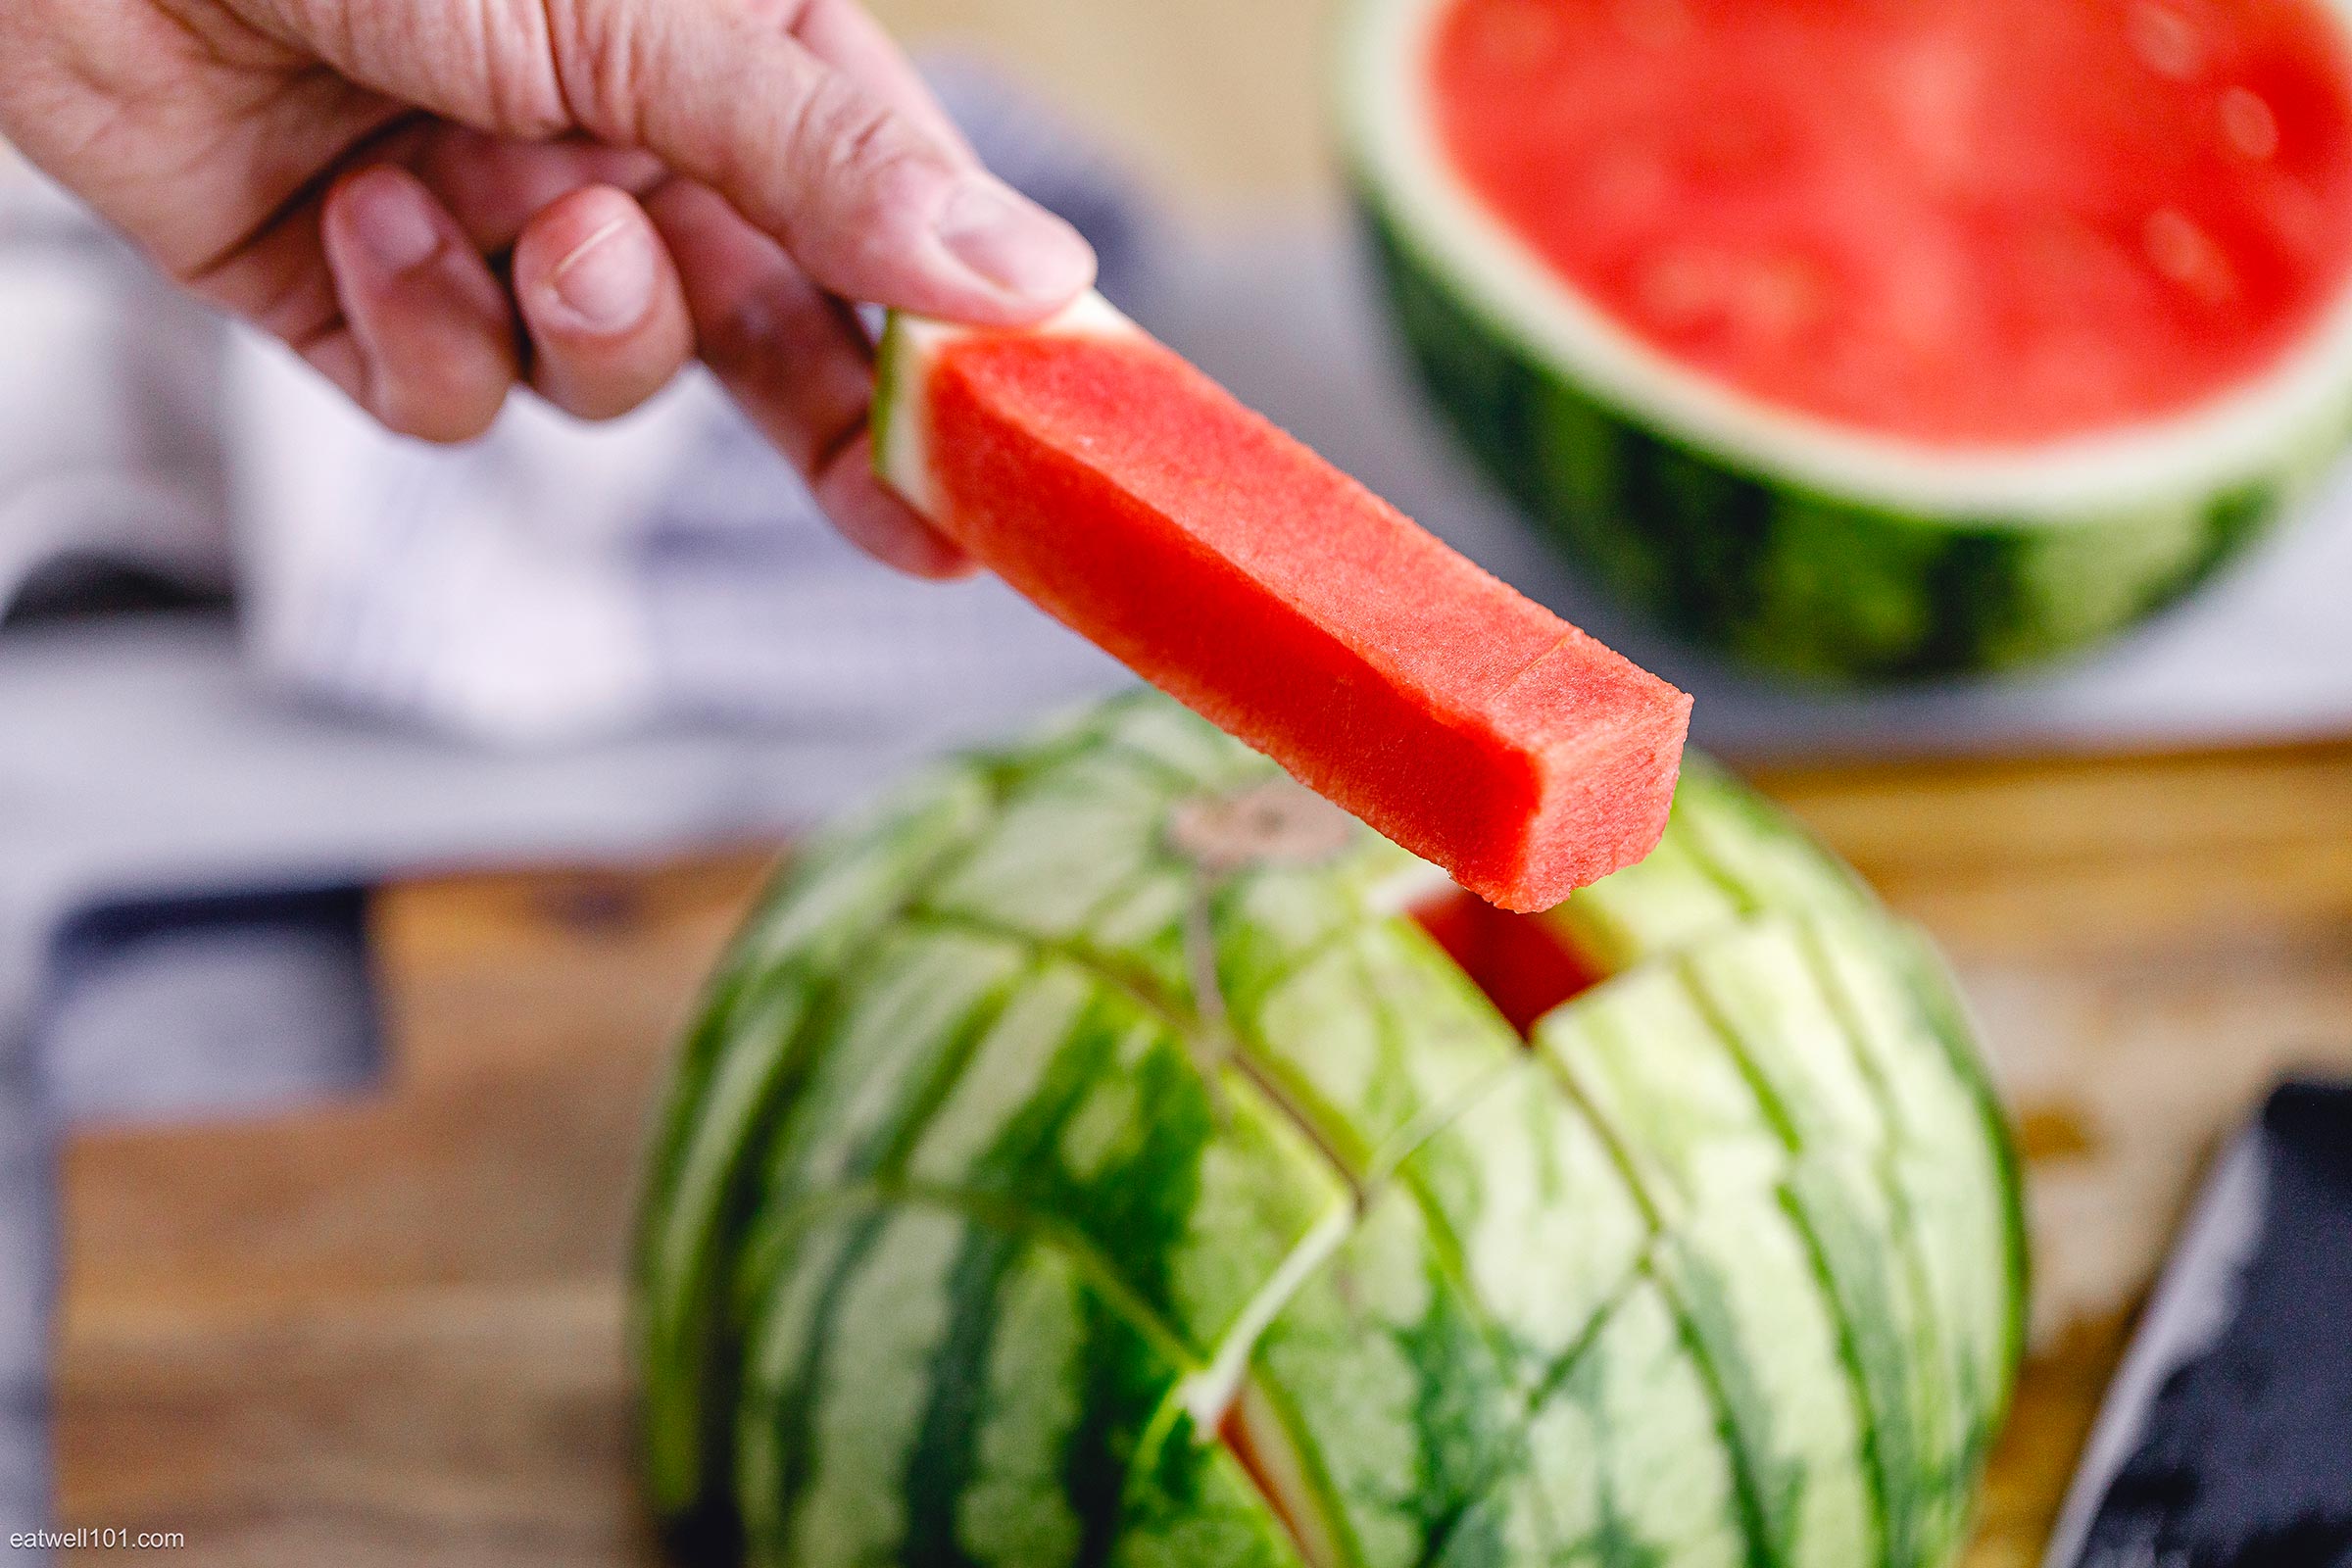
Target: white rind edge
[(1209, 1393), (2255, 431), (911, 344)]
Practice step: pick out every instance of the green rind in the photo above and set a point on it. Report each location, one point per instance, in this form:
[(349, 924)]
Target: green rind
[(1746, 1278), (1957, 1185), (1947, 1015), (1196, 1193), (742, 1061), (1189, 1502), (1727, 853), (1708, 1158), (1389, 1389), (927, 1387), (894, 375), (1371, 1039), (1782, 574), (1623, 1464), (1529, 1207), (1042, 1150)]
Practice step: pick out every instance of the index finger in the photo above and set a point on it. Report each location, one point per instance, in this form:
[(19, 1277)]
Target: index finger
[(854, 179)]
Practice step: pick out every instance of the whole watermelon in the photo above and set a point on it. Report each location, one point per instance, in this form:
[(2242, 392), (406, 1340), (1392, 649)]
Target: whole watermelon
[(1083, 1158)]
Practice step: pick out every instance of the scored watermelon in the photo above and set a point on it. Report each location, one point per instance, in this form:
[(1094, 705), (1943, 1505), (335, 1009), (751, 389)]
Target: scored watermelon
[(1143, 505), (1048, 1181), (1874, 336)]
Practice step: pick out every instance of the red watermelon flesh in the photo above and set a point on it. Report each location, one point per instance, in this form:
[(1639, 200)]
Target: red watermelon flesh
[(1524, 964), (1984, 223), (1142, 505)]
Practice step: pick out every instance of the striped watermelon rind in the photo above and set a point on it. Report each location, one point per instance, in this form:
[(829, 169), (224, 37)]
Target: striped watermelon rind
[(1030, 1195), (1782, 540)]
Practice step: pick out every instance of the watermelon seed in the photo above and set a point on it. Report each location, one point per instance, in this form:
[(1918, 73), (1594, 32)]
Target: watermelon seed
[(2165, 41), (2248, 123), (2187, 255), (1518, 38), (1683, 286), (1659, 23)]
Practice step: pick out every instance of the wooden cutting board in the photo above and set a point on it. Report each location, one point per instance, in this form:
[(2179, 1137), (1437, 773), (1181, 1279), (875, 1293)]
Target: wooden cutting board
[(391, 1331)]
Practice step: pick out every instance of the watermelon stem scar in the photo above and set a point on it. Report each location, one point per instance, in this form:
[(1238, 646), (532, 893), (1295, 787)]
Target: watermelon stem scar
[(1139, 503), (1276, 823)]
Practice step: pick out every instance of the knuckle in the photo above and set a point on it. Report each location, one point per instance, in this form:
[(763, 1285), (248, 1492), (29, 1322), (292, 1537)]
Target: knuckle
[(577, 64), (741, 342), (852, 147), (768, 328)]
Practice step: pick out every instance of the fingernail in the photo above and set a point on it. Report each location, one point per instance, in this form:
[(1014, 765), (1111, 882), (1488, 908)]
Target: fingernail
[(1011, 242), (391, 222), (606, 282)]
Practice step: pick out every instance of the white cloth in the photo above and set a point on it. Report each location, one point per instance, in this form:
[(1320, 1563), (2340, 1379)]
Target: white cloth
[(552, 583), (109, 440)]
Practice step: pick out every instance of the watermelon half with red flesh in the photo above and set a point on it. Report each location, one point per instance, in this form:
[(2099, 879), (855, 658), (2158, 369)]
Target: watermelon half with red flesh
[(1874, 336), (1143, 505)]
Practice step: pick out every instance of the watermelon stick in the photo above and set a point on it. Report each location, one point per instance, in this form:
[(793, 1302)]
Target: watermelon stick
[(1143, 505)]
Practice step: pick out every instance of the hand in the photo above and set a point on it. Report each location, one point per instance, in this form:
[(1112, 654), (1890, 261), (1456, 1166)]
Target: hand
[(432, 200)]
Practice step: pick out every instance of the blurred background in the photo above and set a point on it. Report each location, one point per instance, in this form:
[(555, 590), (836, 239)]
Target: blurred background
[(368, 814)]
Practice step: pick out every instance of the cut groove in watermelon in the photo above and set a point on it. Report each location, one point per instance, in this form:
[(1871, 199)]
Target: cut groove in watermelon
[(1210, 1393), (1251, 1432), (1524, 964), (1136, 501)]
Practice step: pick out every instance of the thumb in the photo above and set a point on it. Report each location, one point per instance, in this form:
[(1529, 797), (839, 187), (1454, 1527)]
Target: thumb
[(871, 202)]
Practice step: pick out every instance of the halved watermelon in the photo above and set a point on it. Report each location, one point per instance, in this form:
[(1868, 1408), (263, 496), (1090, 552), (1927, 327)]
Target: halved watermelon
[(1139, 503), (1868, 337)]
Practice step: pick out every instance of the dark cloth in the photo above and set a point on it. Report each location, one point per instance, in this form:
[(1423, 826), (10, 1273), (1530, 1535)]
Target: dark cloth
[(2247, 1457)]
